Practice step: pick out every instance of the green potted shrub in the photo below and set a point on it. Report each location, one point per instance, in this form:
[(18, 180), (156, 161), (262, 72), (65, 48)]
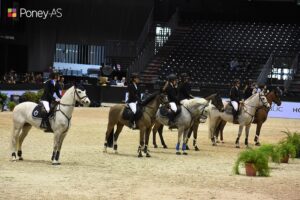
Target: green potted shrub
[(11, 105), (3, 98), (270, 151), (286, 150), (255, 161), (293, 138)]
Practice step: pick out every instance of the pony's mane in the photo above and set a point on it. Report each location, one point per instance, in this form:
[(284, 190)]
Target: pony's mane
[(210, 96), (149, 98), (195, 102), (251, 97)]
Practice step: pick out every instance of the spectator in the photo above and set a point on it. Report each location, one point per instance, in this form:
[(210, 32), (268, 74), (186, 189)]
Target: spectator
[(114, 81)]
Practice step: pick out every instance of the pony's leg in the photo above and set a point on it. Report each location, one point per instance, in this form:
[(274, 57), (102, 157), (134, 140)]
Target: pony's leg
[(26, 128), (110, 130), (142, 140), (146, 151), (222, 126), (195, 134), (184, 140), (258, 128), (154, 130), (180, 133), (14, 141), (160, 133), (55, 153), (116, 136), (211, 131), (247, 134), (188, 137), (237, 141)]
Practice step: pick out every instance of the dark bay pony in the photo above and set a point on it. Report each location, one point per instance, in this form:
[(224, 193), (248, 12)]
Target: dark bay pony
[(215, 100), (260, 117), (144, 124)]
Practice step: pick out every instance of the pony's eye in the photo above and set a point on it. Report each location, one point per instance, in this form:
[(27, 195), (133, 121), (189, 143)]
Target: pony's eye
[(79, 92)]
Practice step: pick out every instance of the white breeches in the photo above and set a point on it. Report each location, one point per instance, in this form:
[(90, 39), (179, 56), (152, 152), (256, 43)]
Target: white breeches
[(133, 107), (46, 105), (173, 106), (235, 105)]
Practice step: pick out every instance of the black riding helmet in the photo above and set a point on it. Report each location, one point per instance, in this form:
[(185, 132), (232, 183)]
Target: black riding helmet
[(172, 77), (134, 75)]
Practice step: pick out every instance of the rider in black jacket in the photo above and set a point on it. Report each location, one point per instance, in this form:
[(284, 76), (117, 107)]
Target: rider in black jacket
[(134, 96), (171, 91), (184, 88), (50, 87)]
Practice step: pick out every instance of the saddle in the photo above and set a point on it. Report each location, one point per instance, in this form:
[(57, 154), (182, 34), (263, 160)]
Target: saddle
[(228, 108), (40, 109), (129, 115), (165, 110)]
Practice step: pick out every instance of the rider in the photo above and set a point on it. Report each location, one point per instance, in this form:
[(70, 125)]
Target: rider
[(134, 96), (235, 99), (184, 89), (47, 98), (171, 90)]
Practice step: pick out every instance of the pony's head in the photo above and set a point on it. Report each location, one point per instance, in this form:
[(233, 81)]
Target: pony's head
[(80, 95), (163, 98), (263, 100), (216, 100), (277, 94)]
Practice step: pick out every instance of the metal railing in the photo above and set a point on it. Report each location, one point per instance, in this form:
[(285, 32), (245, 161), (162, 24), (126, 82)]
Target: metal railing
[(263, 76), (146, 43), (140, 44), (291, 76)]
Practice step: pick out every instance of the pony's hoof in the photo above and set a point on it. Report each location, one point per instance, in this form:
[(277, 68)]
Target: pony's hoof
[(155, 146), (148, 155), (214, 144), (187, 147), (257, 144), (116, 152), (222, 142), (178, 153), (55, 162), (185, 153), (217, 141), (196, 148), (165, 146), (237, 146), (20, 158), (140, 156)]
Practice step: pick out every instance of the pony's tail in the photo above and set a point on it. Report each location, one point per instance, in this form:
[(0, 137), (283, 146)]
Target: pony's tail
[(110, 139)]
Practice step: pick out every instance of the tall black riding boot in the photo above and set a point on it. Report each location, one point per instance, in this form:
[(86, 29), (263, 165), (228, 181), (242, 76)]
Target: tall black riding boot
[(171, 116), (235, 116), (47, 123)]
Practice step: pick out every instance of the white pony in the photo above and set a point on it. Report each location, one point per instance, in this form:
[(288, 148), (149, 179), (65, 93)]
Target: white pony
[(190, 110), (60, 123), (245, 117)]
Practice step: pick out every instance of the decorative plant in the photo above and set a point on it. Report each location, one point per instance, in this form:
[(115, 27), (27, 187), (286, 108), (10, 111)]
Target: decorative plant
[(30, 96), (11, 105), (258, 158), (270, 151), (286, 149), (293, 138)]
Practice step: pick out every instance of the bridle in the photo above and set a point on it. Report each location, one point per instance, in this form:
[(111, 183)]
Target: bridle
[(58, 108), (265, 104)]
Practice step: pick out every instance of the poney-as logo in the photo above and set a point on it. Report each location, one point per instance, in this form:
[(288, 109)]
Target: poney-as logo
[(11, 12)]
